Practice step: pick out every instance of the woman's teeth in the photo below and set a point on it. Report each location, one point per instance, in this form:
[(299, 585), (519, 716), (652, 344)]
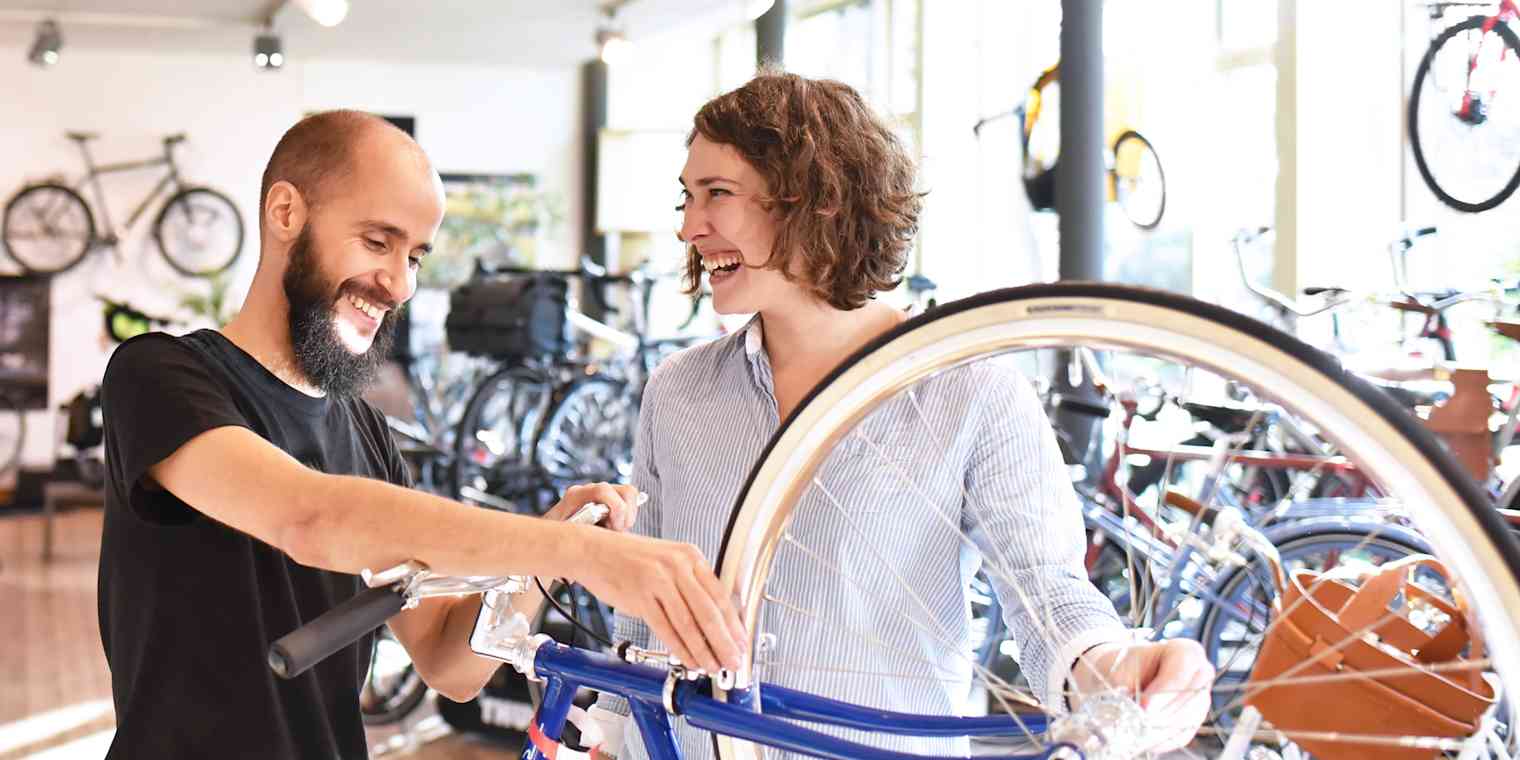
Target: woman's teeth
[(723, 262), (372, 310)]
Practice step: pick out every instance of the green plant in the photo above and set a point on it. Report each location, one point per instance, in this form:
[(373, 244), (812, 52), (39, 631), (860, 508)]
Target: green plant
[(214, 304), (497, 221)]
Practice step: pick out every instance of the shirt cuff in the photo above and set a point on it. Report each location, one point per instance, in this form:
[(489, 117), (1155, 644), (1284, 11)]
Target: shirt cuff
[(1066, 656)]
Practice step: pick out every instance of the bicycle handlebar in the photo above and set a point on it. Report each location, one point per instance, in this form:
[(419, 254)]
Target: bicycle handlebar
[(297, 651)]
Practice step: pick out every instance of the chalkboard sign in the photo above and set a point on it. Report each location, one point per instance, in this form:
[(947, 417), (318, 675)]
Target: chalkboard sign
[(24, 340)]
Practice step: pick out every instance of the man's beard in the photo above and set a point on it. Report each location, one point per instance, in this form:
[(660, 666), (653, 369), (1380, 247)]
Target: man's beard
[(320, 353)]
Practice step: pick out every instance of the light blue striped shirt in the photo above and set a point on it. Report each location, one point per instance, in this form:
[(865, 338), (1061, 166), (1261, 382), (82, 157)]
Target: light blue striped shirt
[(981, 456)]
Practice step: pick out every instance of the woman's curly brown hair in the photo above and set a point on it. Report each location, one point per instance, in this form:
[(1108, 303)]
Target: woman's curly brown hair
[(841, 185)]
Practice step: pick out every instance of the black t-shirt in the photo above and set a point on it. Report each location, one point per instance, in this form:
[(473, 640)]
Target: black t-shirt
[(188, 606)]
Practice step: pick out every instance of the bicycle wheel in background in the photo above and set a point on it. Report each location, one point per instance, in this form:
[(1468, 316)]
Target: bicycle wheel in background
[(392, 686), (589, 435), (47, 229), (817, 587), (1464, 115), (493, 448), (1139, 184), (199, 231)]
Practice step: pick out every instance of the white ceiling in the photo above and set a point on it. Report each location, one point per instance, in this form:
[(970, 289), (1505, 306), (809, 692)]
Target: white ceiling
[(547, 33)]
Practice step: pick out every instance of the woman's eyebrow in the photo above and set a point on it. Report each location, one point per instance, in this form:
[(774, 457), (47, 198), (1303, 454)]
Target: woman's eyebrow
[(705, 181)]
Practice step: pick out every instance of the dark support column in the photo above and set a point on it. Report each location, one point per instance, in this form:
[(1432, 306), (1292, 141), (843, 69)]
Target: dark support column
[(593, 119), (770, 36), (1080, 198), (1079, 173)]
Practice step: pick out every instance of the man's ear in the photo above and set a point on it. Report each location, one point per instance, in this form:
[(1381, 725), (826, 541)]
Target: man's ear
[(285, 211)]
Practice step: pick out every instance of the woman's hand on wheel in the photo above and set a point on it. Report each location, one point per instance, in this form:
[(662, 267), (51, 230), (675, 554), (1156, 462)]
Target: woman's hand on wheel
[(670, 587), (1171, 679)]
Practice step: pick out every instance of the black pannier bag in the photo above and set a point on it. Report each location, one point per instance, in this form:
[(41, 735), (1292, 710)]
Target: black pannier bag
[(510, 317)]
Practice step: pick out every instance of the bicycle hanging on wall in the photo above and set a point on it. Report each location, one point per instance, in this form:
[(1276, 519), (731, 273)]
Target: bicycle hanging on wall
[(49, 227)]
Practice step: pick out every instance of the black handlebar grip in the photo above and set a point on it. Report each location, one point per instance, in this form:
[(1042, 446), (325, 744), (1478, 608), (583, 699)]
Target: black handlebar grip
[(340, 626), (1423, 231), (1083, 406)]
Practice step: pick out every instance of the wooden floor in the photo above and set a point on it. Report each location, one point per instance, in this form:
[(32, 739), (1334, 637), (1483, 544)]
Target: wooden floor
[(55, 691)]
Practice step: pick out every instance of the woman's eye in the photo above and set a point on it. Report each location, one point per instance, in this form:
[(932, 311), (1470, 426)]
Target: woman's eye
[(374, 245)]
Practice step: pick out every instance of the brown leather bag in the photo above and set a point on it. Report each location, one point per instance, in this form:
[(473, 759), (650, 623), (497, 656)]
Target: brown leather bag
[(1326, 627)]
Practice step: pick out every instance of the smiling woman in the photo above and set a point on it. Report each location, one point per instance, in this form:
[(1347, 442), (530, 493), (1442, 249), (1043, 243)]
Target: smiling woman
[(799, 207)]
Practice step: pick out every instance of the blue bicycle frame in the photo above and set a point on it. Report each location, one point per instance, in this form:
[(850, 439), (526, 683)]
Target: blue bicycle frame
[(566, 669)]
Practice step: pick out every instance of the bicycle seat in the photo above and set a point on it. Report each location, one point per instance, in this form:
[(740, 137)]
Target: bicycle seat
[(1228, 418), (172, 139), (82, 136)]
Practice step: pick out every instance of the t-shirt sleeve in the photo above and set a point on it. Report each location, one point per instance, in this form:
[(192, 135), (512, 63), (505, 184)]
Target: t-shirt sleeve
[(398, 472), (157, 395)]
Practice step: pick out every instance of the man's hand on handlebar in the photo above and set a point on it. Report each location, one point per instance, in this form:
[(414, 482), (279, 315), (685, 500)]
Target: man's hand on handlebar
[(667, 584), (622, 501)]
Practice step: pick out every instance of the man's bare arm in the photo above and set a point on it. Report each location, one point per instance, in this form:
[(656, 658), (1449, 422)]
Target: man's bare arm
[(346, 524)]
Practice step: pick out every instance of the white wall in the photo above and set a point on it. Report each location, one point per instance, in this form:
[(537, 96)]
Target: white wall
[(469, 119)]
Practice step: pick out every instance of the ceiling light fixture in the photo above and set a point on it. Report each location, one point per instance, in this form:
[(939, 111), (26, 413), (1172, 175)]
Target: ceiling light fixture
[(754, 9), (268, 52), (324, 12), (47, 45), (611, 40)]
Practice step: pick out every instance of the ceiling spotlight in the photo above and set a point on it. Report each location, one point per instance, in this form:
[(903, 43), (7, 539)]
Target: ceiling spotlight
[(324, 12), (268, 53), (610, 39), (754, 9), (47, 44)]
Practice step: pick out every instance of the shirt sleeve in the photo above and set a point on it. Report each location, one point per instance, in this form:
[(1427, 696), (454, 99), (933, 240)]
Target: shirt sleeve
[(1023, 515), (397, 471), (646, 478), (157, 395)]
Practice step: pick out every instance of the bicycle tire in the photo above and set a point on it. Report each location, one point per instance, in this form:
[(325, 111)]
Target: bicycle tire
[(1392, 447), (526, 480), (37, 266), (1143, 221), (554, 452), (1416, 94), (219, 262), (400, 702)]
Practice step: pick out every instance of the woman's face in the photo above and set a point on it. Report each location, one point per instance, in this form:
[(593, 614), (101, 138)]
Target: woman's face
[(723, 219)]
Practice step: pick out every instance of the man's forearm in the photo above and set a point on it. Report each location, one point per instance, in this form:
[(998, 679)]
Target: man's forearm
[(356, 523)]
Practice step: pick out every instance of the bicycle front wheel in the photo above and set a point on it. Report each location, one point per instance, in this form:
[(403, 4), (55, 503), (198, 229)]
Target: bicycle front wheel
[(200, 232), (589, 435), (1464, 115), (493, 447), (837, 468), (1138, 180), (47, 228)]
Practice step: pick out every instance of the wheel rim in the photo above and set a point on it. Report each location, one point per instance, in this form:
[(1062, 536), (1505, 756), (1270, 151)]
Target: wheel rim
[(48, 228), (1073, 316), (200, 232), (1471, 164)]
